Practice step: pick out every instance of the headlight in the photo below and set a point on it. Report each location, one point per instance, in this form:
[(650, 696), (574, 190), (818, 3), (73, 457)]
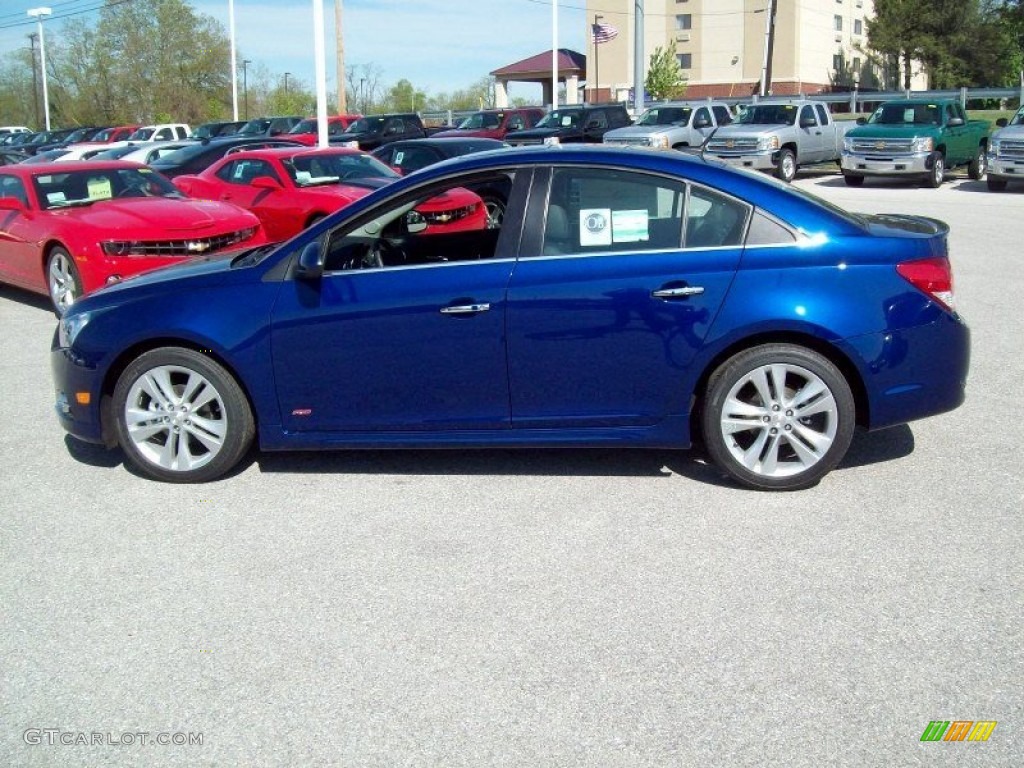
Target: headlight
[(768, 142), (69, 328), (847, 145), (658, 142), (925, 144), (993, 146)]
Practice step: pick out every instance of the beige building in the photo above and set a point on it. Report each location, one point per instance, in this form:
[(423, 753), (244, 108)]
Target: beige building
[(720, 44)]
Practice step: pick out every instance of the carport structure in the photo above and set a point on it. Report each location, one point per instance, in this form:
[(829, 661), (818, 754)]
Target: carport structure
[(572, 68)]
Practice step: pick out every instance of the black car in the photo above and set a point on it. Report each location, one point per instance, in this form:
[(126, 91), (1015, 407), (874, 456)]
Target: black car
[(574, 124), (376, 130), (268, 126), (74, 136), (46, 140), (217, 129), (11, 157), (202, 154), (411, 155)]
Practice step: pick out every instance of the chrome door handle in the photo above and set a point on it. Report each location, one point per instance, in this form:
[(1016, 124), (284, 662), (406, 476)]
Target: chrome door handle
[(678, 293), (465, 309)]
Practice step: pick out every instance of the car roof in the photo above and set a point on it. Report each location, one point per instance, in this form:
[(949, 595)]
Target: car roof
[(441, 141), (295, 151), (72, 166)]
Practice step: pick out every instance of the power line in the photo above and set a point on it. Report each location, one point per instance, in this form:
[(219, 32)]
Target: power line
[(68, 14)]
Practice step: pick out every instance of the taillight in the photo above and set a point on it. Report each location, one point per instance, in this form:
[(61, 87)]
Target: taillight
[(931, 276)]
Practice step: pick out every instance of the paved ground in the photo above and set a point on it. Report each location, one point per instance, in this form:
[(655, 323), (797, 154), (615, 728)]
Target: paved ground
[(548, 608)]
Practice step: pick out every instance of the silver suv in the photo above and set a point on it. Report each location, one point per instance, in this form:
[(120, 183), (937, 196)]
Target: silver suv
[(673, 125)]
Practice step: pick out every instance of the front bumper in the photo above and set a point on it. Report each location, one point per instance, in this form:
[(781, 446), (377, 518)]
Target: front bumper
[(1006, 168), (762, 161), (76, 381), (875, 165)]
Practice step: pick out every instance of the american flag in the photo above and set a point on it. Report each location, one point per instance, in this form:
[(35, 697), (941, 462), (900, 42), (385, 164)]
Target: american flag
[(602, 33)]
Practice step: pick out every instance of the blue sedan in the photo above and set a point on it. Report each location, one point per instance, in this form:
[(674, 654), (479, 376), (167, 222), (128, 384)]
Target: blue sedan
[(628, 298)]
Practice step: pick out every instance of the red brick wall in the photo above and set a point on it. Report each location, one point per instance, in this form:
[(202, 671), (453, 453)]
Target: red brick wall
[(779, 88)]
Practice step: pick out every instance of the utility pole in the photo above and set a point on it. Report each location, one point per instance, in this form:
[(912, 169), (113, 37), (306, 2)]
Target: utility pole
[(340, 47), (769, 47), (35, 80)]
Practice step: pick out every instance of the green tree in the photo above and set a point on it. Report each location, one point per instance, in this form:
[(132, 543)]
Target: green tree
[(665, 80), (403, 97)]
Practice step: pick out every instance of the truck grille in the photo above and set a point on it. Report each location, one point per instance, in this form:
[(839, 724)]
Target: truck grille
[(882, 147), (732, 146), (1013, 150), (524, 142)]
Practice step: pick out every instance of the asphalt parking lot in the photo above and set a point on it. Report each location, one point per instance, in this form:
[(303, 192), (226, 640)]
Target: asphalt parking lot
[(505, 608)]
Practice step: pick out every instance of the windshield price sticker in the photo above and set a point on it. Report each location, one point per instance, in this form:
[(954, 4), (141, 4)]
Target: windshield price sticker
[(630, 226), (99, 189)]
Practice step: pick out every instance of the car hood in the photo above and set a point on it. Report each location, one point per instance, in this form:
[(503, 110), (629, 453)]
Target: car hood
[(735, 131), (359, 136), (640, 131), (881, 131), (156, 217), (468, 133), (538, 133)]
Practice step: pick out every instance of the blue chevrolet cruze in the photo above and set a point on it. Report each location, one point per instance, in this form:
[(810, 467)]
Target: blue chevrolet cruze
[(613, 297)]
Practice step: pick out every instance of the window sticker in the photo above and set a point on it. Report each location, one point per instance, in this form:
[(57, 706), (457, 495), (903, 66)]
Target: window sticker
[(399, 157), (99, 189), (595, 226), (908, 115), (630, 226), (55, 197)]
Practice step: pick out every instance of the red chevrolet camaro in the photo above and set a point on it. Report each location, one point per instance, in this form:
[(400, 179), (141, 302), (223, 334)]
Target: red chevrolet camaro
[(67, 231), (290, 188)]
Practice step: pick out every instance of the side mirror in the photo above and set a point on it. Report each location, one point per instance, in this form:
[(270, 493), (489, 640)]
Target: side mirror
[(702, 123), (265, 182), (11, 204), (415, 223), (862, 121), (311, 263), (808, 122), (1002, 122), (955, 121)]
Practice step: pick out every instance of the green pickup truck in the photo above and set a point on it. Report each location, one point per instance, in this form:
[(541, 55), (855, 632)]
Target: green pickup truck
[(915, 137)]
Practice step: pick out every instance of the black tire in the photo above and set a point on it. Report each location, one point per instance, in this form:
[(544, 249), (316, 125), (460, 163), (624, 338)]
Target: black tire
[(785, 165), (495, 211), (778, 446), (996, 185), (175, 429), (853, 180), (937, 173), (977, 167), (63, 281)]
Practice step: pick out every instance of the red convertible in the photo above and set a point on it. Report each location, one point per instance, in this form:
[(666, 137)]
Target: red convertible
[(291, 188), (66, 232)]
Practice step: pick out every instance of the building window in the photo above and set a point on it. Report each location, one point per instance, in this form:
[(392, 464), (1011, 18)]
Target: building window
[(683, 21), (858, 27), (838, 22), (685, 60), (856, 65), (837, 62)]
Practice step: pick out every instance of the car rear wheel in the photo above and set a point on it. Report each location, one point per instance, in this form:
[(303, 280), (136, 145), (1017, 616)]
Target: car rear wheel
[(778, 417), (495, 211), (181, 416), (785, 166), (978, 166), (63, 280), (996, 185), (853, 180), (938, 171)]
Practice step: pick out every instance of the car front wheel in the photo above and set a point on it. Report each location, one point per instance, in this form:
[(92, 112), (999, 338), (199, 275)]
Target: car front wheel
[(938, 171), (778, 417), (62, 280), (978, 166), (852, 180), (785, 166), (181, 416)]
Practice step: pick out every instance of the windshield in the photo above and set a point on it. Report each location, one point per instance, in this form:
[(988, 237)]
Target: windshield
[(255, 127), (560, 119), (348, 167), (207, 130), (366, 125), (1018, 119), (906, 114), (116, 153), (481, 120), (306, 126), (104, 135), (769, 114), (78, 188), (665, 116), (142, 134)]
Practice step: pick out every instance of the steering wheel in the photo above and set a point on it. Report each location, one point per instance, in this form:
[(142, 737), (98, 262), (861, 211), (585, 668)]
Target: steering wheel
[(383, 254)]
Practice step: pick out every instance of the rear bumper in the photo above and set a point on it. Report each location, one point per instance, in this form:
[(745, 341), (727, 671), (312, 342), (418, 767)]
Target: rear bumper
[(916, 372)]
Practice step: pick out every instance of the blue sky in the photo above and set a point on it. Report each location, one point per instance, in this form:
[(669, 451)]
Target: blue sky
[(439, 45)]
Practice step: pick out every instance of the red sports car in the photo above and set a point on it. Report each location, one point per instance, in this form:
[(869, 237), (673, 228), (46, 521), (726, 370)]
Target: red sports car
[(70, 230), (290, 188)]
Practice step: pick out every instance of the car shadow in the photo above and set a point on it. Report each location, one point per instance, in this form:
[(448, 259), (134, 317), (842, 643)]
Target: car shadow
[(27, 298), (981, 186)]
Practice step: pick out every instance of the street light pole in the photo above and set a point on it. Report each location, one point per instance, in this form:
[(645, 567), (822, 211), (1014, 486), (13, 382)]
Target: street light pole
[(286, 83), (245, 87), (39, 14), (35, 79)]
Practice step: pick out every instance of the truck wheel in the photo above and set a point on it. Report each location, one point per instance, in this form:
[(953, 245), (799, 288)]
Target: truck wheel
[(976, 170), (852, 180), (938, 171), (996, 185), (785, 166)]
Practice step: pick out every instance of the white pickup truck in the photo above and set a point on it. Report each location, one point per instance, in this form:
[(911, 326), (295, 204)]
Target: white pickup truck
[(780, 135)]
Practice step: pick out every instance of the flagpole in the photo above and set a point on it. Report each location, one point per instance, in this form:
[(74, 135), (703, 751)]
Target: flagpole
[(597, 63), (554, 54)]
